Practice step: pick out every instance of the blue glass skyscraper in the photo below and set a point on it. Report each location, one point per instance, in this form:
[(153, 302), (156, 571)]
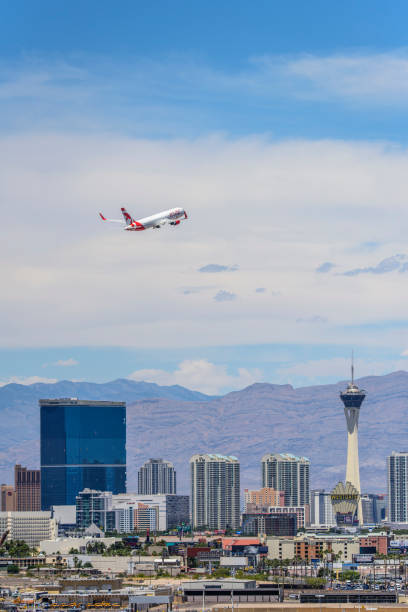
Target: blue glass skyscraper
[(83, 445)]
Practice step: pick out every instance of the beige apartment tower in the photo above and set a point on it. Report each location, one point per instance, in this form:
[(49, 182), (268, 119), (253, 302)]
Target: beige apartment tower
[(215, 491), (288, 473)]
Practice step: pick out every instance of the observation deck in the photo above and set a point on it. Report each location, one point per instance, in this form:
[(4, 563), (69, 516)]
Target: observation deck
[(353, 397)]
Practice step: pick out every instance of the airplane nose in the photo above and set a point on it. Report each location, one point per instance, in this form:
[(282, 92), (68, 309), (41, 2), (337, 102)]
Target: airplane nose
[(185, 215)]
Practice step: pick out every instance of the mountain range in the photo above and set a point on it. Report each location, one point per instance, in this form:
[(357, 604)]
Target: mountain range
[(175, 423)]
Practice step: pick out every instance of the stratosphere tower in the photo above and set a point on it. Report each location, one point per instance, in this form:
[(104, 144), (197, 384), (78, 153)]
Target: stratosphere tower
[(352, 399)]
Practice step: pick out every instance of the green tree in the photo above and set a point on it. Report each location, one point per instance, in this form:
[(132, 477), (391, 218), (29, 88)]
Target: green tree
[(349, 575), (316, 583), (16, 548), (13, 569), (96, 548), (221, 572)]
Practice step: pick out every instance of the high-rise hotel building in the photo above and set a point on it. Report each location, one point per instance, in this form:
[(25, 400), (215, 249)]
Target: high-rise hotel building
[(83, 445), (156, 477), (397, 480), (287, 473), (322, 513), (215, 491), (27, 486)]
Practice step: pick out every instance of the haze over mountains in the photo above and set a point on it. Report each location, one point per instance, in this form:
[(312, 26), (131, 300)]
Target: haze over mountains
[(174, 423)]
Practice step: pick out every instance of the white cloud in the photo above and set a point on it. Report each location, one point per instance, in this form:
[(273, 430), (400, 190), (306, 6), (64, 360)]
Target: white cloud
[(27, 380), (335, 469), (200, 375), (65, 363), (72, 280), (317, 319), (141, 93), (319, 371), (372, 77)]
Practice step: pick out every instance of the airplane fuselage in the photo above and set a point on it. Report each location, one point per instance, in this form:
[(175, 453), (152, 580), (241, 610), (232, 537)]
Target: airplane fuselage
[(171, 216)]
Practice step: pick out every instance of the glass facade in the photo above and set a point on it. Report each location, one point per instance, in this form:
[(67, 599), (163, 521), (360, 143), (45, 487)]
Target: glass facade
[(83, 445)]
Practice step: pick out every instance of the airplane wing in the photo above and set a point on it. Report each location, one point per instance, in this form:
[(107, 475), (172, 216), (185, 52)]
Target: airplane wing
[(111, 220)]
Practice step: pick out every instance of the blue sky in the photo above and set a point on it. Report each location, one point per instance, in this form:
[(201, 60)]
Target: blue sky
[(222, 33), (281, 127)]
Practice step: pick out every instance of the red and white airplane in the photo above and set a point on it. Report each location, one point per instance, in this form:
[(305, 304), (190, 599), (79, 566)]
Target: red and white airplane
[(174, 216)]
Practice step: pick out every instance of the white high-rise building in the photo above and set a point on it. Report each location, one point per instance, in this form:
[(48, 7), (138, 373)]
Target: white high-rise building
[(287, 473), (32, 527), (322, 513), (156, 477), (397, 481), (168, 511), (352, 399), (215, 491)]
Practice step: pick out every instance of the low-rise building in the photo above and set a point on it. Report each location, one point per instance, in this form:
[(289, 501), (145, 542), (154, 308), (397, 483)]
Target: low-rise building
[(22, 561), (269, 524), (7, 498), (301, 512), (63, 546), (65, 518), (209, 592), (261, 499), (378, 542), (31, 527), (132, 564), (92, 507), (308, 548), (144, 601), (90, 584), (234, 562), (280, 548), (128, 512), (238, 544)]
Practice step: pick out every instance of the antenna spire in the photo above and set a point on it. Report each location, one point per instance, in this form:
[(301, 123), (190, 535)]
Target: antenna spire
[(352, 367)]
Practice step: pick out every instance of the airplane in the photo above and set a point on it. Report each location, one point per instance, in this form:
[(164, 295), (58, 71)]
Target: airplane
[(173, 216)]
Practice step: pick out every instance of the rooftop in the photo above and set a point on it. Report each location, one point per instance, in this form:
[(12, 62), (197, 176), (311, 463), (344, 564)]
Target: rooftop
[(284, 457), (215, 457), (74, 401)]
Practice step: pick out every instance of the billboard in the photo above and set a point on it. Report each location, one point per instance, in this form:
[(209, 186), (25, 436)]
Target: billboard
[(363, 558), (344, 499)]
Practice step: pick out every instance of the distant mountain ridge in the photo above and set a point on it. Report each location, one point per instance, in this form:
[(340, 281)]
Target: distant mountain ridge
[(124, 388), (174, 423)]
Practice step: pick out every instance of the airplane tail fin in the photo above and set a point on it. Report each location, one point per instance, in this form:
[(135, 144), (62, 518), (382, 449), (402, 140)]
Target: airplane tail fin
[(126, 216)]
